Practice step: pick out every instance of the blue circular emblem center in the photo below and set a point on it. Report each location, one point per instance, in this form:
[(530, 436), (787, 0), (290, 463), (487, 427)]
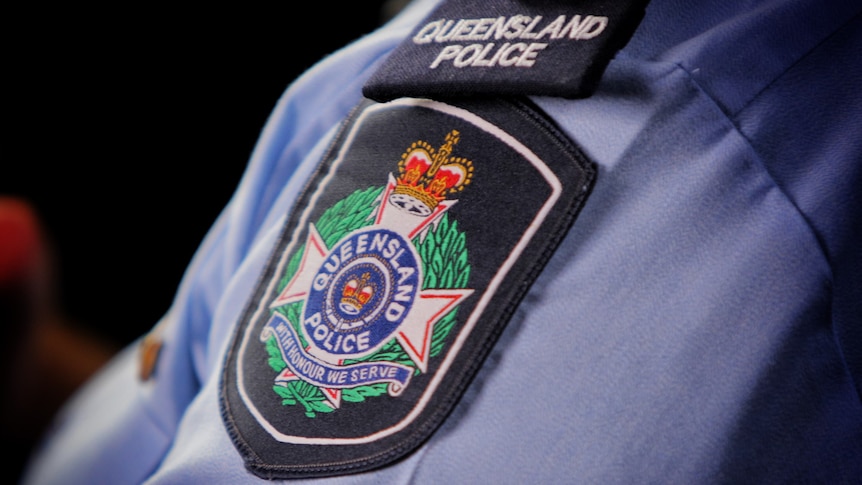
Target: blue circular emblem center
[(361, 293)]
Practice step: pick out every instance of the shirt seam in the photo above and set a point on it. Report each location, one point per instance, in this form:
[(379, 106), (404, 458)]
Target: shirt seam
[(731, 119)]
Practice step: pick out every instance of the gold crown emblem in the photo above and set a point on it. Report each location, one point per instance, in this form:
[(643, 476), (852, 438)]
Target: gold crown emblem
[(356, 293), (427, 175)]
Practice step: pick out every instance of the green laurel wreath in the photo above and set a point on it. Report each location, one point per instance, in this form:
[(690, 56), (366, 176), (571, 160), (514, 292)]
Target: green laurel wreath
[(444, 265)]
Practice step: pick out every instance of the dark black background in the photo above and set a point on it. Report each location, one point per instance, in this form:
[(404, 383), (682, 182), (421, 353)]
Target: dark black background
[(129, 132)]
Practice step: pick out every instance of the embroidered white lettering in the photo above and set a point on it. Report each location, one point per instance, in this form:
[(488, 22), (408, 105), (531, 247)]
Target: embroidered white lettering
[(519, 54), (464, 29), (528, 31), (426, 34), (482, 29), (515, 27), (448, 53), (553, 29), (589, 27), (528, 58)]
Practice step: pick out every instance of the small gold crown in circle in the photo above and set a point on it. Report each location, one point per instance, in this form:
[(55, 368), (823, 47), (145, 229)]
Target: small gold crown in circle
[(427, 176), (356, 293)]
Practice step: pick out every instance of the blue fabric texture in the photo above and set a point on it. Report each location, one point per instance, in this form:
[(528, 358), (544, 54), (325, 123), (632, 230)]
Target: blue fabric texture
[(700, 323)]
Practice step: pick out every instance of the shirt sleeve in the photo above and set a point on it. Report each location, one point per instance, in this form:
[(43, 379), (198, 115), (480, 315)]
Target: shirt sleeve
[(118, 428)]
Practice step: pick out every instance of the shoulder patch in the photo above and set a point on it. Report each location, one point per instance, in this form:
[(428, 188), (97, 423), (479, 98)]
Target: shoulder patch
[(508, 48), (396, 271)]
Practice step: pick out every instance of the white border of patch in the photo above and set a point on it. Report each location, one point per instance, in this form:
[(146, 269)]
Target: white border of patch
[(556, 190)]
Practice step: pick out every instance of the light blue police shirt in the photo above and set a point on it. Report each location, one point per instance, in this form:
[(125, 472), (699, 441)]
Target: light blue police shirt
[(700, 322)]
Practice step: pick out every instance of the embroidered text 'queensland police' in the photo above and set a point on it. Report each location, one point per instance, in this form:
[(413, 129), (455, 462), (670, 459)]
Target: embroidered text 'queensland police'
[(515, 28)]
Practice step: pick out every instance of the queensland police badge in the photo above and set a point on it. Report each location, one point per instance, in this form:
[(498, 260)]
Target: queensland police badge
[(357, 318), (397, 270)]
